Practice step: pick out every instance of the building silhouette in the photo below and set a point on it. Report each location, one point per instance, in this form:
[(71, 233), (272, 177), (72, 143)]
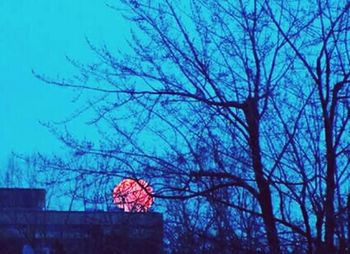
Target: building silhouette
[(26, 227)]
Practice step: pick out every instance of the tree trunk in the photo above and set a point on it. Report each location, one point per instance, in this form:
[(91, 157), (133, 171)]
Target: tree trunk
[(319, 222), (265, 200), (330, 189)]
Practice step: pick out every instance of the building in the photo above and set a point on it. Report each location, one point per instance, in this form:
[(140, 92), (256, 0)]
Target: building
[(26, 227)]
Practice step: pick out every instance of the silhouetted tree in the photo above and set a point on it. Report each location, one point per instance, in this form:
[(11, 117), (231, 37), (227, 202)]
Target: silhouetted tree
[(244, 104), (322, 51)]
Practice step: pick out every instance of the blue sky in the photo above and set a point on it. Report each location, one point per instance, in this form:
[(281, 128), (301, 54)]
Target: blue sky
[(39, 34)]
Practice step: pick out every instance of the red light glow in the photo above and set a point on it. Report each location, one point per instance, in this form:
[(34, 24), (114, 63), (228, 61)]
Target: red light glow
[(133, 195)]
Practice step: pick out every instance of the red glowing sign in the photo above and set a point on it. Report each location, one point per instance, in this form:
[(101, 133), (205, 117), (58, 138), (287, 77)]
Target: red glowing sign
[(133, 195)]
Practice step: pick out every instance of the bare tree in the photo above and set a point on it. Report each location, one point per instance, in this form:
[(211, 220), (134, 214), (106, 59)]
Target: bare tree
[(323, 53), (226, 99)]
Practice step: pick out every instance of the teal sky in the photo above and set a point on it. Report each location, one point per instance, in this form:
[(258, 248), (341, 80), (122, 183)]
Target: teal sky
[(39, 34)]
